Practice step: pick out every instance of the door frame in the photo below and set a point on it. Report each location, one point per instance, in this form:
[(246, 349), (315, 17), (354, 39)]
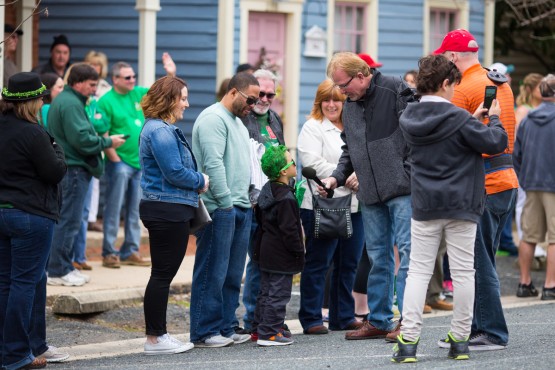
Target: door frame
[(293, 10)]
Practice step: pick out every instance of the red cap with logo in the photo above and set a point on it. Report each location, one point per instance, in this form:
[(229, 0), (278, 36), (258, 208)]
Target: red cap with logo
[(368, 59), (458, 40)]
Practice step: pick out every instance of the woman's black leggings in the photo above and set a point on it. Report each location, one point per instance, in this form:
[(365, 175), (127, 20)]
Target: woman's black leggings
[(168, 244)]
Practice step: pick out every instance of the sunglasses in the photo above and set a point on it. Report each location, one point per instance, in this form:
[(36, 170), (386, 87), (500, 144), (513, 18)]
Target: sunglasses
[(292, 163), (249, 99), (269, 95), (342, 86), (128, 78)]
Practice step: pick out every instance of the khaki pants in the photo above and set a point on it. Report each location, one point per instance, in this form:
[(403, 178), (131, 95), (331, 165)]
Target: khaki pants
[(425, 240)]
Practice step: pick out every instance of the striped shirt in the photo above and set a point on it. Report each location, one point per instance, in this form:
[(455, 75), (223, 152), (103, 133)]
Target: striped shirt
[(469, 94)]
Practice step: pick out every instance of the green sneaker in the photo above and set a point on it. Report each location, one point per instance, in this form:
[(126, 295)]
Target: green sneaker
[(459, 348), (404, 352)]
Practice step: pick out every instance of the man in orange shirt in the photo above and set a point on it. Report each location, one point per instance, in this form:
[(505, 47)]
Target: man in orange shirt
[(489, 329)]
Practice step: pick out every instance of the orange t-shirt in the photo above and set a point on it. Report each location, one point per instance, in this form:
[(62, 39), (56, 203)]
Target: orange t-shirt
[(469, 94)]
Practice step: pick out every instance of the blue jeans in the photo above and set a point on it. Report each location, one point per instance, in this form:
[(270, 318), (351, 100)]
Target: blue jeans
[(219, 264), (488, 312), (123, 183), (320, 254), (386, 224), (25, 241), (80, 243), (75, 185), (252, 282)]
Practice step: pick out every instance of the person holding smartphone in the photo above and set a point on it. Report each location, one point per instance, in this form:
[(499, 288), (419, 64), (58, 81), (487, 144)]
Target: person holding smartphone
[(489, 328)]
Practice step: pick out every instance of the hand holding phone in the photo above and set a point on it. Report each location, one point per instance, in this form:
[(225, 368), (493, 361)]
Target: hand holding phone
[(489, 96)]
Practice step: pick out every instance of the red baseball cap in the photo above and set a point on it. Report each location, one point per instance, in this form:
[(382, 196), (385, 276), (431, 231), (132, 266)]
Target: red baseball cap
[(458, 40), (368, 59)]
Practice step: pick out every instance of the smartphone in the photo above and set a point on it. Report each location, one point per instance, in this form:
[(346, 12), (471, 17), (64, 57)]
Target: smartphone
[(125, 137), (490, 95)]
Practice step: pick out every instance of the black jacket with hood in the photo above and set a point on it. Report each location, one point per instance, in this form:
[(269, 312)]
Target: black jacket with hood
[(278, 240), (447, 170)]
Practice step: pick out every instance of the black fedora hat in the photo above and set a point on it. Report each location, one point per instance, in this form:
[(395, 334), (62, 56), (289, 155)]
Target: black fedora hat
[(24, 86)]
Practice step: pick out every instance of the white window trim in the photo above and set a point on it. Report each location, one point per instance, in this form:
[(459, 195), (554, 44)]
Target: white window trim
[(463, 16), (371, 20)]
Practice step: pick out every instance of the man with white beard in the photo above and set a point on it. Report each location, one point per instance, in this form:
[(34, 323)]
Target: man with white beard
[(266, 129)]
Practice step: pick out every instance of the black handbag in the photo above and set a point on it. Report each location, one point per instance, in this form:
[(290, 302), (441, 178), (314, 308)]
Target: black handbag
[(332, 216), (201, 219)]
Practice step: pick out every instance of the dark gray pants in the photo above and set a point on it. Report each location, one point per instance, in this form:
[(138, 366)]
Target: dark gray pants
[(275, 293)]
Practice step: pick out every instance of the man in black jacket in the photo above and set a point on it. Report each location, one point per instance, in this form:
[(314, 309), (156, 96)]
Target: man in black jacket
[(375, 149)]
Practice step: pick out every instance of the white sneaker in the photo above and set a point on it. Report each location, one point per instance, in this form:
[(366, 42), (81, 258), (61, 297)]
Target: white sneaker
[(76, 272), (215, 342), (240, 338), (70, 279), (167, 345), (53, 355)]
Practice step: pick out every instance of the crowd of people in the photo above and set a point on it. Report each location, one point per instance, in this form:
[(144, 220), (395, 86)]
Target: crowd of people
[(428, 169)]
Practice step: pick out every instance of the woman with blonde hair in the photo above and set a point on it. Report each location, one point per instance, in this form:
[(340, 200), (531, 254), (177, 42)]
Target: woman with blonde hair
[(29, 208), (319, 147), (99, 61), (171, 186)]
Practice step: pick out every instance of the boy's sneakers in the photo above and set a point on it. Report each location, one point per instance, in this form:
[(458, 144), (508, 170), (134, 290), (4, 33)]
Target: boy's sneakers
[(548, 294), (70, 279), (275, 340), (524, 291), (53, 355), (240, 338), (166, 345), (215, 342), (458, 349), (404, 351), (478, 342)]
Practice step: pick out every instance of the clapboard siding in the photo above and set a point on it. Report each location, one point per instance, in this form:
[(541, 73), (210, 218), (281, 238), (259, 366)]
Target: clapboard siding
[(187, 29)]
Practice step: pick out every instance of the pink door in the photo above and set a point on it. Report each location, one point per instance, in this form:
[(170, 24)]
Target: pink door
[(267, 33)]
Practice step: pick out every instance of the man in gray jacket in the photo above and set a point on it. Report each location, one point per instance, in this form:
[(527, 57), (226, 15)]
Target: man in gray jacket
[(533, 161), (376, 150)]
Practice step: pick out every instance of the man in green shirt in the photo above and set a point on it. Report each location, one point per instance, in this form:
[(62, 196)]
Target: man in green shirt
[(222, 150), (121, 110)]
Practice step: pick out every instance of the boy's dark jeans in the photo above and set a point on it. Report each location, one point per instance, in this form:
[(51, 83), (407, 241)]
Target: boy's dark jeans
[(275, 293)]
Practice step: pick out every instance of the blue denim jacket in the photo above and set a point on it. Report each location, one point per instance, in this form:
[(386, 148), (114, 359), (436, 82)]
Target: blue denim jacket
[(169, 169)]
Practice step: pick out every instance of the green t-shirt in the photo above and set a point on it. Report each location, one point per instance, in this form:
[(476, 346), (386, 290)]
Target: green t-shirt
[(124, 115), (270, 139)]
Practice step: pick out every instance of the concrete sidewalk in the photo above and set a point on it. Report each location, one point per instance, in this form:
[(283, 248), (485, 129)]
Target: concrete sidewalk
[(109, 287)]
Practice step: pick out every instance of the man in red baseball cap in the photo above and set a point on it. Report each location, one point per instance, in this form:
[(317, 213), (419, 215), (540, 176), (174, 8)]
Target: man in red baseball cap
[(489, 329)]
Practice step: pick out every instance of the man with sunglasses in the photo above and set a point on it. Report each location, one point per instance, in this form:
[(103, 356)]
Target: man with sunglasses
[(222, 150), (266, 129), (123, 115), (376, 150)]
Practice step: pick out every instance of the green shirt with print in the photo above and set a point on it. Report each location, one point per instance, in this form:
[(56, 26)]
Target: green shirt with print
[(123, 114)]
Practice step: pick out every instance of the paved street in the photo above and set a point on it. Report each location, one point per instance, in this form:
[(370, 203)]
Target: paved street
[(532, 347)]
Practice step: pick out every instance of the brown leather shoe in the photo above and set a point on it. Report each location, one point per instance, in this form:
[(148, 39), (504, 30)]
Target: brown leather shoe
[(427, 309), (38, 363), (95, 226), (391, 337), (316, 330), (82, 266), (136, 260), (442, 305), (367, 331), (355, 325), (111, 261)]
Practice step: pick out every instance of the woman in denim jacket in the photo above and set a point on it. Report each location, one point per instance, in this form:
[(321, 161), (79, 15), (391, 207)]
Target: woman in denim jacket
[(171, 186)]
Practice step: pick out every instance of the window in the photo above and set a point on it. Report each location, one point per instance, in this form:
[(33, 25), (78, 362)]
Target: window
[(441, 22), (440, 17), (350, 27)]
